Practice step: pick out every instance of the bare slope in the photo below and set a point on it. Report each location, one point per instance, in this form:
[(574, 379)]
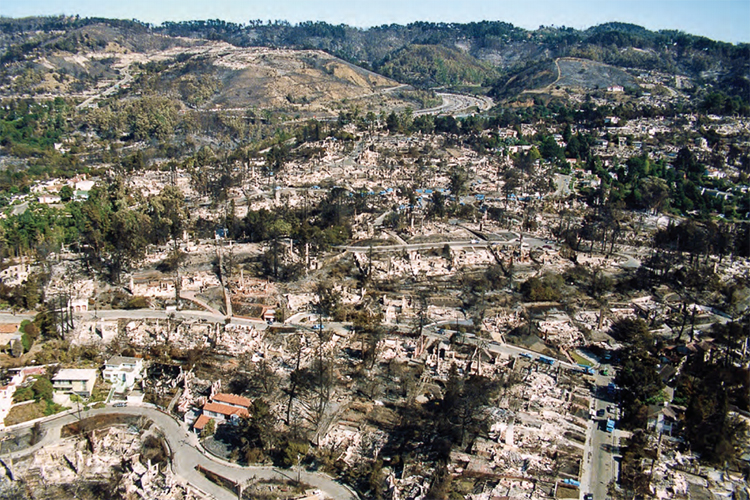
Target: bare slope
[(567, 73), (209, 75), (591, 75)]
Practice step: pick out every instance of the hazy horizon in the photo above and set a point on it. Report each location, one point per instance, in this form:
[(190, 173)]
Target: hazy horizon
[(723, 20)]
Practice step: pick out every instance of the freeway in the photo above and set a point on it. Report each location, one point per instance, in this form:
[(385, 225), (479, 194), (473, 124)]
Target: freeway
[(456, 103), (187, 454)]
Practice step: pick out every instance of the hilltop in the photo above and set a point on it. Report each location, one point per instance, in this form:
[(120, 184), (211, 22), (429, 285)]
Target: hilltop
[(105, 60), (490, 53)]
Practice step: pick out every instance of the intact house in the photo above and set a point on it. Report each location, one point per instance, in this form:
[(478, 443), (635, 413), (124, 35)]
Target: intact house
[(664, 418), (123, 372), (78, 381), (222, 408)]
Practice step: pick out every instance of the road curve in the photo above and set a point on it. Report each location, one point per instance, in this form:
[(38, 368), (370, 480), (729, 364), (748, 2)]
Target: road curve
[(456, 103), (187, 454)]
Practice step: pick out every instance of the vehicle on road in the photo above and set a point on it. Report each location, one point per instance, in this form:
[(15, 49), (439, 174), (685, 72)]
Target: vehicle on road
[(121, 404), (610, 425), (546, 360), (526, 355), (588, 496), (600, 413), (586, 369)]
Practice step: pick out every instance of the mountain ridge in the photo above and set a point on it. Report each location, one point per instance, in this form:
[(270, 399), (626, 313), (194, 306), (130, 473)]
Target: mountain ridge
[(488, 52)]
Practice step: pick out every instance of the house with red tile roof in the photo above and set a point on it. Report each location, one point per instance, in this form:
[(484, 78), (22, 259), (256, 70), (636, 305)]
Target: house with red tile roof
[(222, 408)]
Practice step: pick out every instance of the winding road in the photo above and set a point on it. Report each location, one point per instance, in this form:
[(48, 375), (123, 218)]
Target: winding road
[(455, 103), (89, 102), (187, 455)]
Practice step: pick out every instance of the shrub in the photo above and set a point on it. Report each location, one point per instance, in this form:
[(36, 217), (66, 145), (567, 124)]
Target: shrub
[(137, 302)]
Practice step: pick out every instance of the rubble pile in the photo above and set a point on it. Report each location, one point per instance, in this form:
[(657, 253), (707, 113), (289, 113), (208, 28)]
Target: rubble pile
[(94, 458)]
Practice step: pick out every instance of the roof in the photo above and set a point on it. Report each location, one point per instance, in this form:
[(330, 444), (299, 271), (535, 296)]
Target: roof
[(201, 422), (225, 409), (232, 399), (75, 374), (123, 360)]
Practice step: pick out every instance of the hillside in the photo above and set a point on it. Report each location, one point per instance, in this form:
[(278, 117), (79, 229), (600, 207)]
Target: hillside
[(431, 65), (571, 74), (421, 53), (101, 60), (231, 77)]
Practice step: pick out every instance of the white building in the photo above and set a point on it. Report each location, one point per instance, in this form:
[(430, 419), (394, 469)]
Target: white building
[(123, 371), (75, 381)]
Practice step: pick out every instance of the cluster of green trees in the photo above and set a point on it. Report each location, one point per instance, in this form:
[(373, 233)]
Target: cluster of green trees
[(110, 228), (430, 65), (115, 232), (544, 289), (708, 385), (30, 128), (145, 118)]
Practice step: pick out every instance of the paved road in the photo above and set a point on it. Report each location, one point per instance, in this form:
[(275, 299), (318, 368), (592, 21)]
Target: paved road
[(456, 103), (107, 92), (154, 314), (457, 245), (186, 455), (599, 467), (490, 345)]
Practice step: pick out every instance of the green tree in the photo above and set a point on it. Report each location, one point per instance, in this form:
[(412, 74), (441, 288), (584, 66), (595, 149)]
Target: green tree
[(66, 194), (42, 388), (127, 239), (168, 215), (293, 452), (458, 180), (209, 429)]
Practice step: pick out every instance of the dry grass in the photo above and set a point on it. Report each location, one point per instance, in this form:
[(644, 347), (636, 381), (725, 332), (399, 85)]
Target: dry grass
[(567, 492), (26, 412)]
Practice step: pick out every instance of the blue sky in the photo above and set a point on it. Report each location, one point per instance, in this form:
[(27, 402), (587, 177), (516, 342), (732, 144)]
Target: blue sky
[(727, 20)]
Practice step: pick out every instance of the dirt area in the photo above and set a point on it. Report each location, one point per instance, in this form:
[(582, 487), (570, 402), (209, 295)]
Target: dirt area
[(99, 422), (26, 412), (567, 492), (591, 75)]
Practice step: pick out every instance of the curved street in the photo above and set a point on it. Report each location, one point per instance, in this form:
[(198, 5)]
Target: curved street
[(187, 454)]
